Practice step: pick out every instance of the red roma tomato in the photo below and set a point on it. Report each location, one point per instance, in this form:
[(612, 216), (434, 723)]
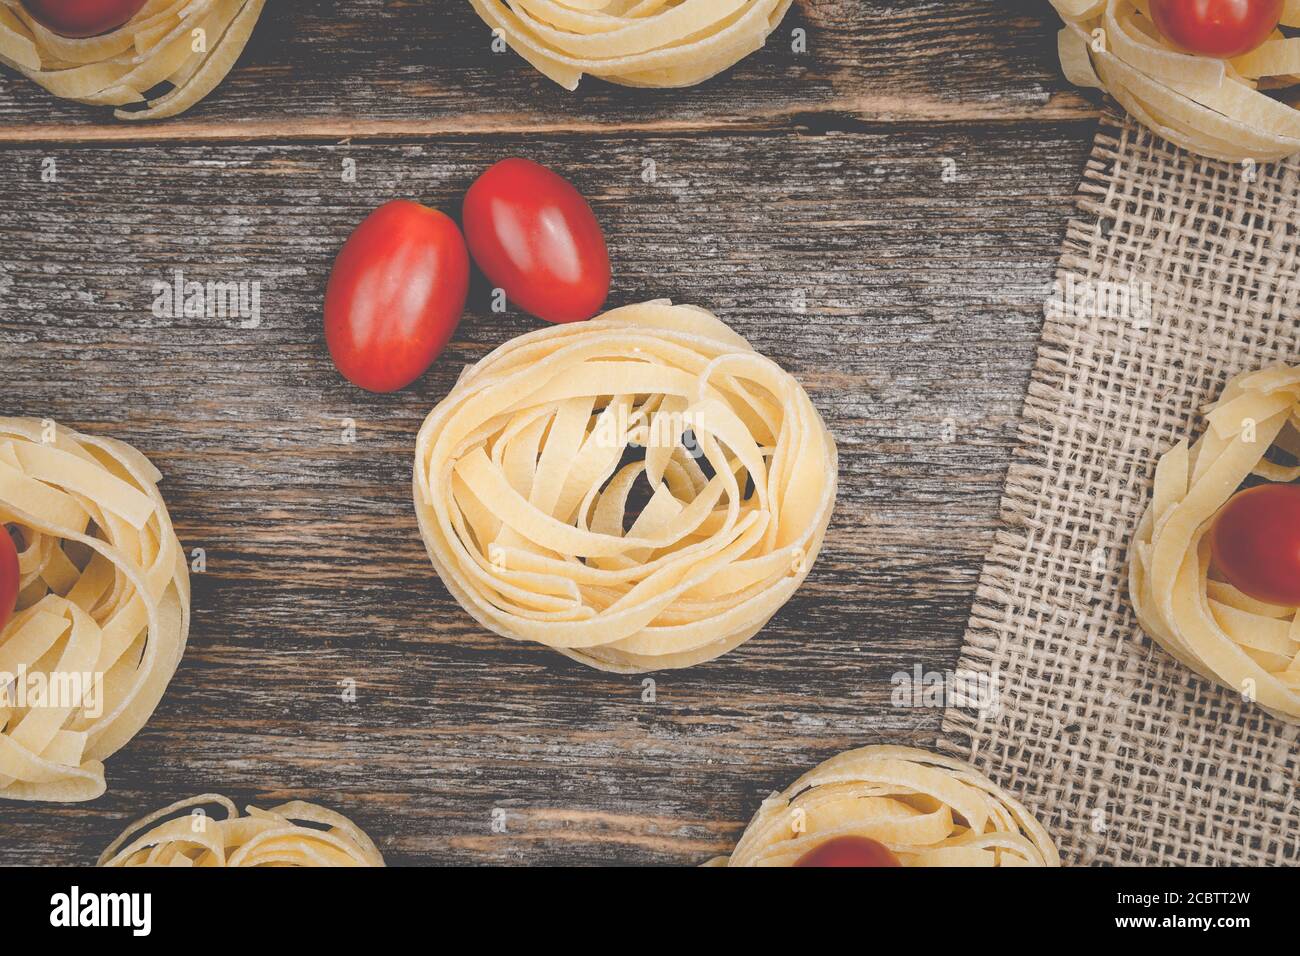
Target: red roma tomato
[(1256, 543), (1222, 28), (8, 577), (396, 295), (83, 18), (850, 851), (534, 236)]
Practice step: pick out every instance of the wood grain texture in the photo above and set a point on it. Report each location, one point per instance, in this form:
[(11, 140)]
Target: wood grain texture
[(805, 203), (331, 69)]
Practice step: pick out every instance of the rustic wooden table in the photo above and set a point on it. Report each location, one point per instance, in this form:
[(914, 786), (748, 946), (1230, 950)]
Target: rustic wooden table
[(881, 214)]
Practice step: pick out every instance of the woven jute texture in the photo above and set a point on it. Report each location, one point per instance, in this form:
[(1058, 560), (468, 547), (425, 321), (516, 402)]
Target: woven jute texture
[(1126, 756)]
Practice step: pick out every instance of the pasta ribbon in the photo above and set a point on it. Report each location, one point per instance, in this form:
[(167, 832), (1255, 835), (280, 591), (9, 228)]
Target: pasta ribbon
[(929, 810), (1181, 602), (292, 834), (525, 474), (1211, 106), (103, 607), (657, 43), (168, 56)]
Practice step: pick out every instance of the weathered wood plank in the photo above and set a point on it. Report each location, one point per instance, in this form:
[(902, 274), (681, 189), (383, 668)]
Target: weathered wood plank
[(908, 305), (334, 69)]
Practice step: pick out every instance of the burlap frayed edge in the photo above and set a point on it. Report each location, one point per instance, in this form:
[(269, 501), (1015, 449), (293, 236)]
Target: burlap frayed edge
[(1197, 798)]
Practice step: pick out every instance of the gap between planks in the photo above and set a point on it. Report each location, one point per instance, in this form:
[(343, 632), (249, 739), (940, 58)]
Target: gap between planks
[(831, 117)]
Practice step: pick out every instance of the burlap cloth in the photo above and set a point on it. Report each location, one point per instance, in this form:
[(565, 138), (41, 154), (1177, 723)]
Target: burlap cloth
[(1126, 756)]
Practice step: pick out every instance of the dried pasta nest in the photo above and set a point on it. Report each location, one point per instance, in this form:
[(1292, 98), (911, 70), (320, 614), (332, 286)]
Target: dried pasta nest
[(927, 809), (164, 60), (1218, 108), (292, 834), (526, 475), (1247, 646), (658, 43), (103, 607)]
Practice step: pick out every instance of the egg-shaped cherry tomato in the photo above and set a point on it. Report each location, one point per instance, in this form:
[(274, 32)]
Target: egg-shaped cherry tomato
[(847, 851), (1256, 543), (396, 295), (8, 577), (1222, 28), (534, 236), (83, 18)]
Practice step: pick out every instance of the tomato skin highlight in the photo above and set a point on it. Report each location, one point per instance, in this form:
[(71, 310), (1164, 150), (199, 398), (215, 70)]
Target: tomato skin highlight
[(9, 578), (396, 295), (1220, 28), (533, 235), (1255, 542), (850, 851), (78, 19)]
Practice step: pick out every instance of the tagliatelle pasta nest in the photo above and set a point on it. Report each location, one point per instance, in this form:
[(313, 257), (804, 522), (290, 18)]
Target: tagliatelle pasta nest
[(524, 474), (103, 607), (1211, 106), (292, 834), (1247, 646), (657, 43), (927, 809), (169, 56)]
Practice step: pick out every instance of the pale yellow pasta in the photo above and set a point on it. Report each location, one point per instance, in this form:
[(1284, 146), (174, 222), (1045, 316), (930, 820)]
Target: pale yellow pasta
[(1181, 601), (929, 810), (1211, 106), (103, 607), (292, 834), (658, 43), (522, 488), (166, 58)]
